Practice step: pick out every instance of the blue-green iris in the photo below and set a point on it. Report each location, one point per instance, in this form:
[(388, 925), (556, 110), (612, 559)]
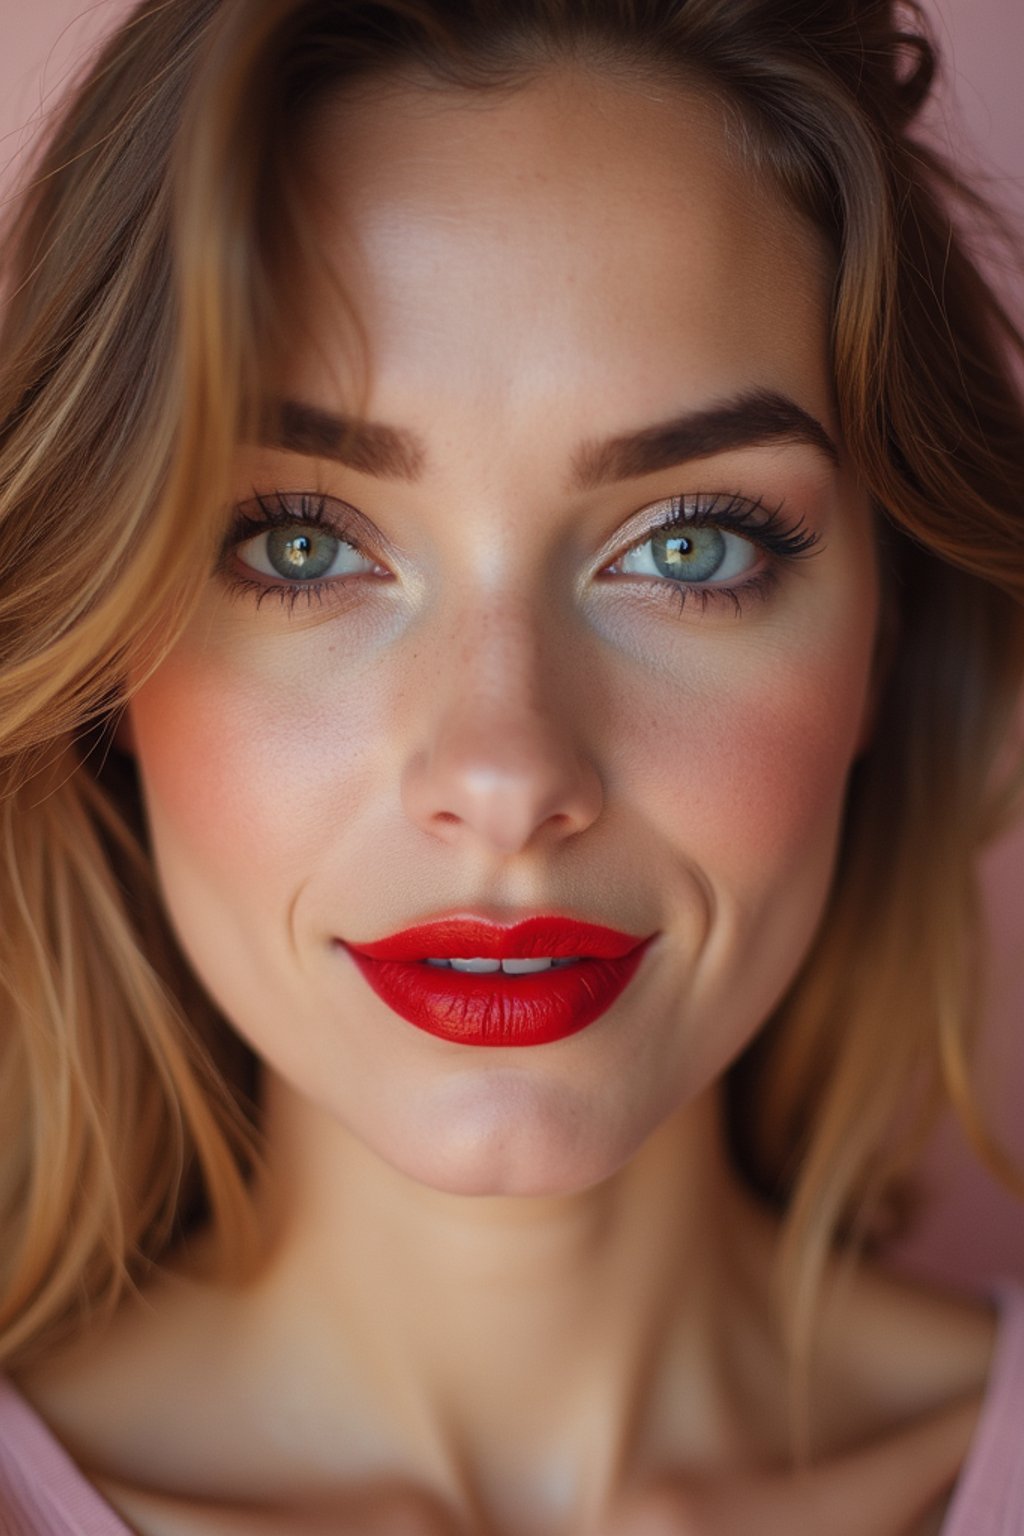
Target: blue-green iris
[(691, 555), (301, 553)]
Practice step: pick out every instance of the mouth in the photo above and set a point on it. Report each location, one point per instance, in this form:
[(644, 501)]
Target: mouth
[(474, 982)]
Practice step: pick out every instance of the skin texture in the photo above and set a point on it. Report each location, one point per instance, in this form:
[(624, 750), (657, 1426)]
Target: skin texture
[(524, 1283), (496, 727)]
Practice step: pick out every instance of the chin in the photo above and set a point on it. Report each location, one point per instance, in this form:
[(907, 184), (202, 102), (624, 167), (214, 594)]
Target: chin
[(511, 1140)]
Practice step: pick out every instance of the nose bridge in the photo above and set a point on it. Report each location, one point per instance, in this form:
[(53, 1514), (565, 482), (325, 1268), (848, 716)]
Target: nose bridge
[(505, 659), (498, 759)]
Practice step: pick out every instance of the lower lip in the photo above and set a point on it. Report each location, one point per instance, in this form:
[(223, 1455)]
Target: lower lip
[(498, 1009)]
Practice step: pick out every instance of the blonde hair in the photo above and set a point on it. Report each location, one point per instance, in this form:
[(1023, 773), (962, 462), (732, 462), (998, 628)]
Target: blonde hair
[(140, 309)]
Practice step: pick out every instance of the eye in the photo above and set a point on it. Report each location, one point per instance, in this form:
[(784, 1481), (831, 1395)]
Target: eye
[(690, 554), (300, 551), (714, 549), (297, 546)]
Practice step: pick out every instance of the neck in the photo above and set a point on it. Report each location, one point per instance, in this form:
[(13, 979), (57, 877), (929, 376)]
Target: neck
[(490, 1335)]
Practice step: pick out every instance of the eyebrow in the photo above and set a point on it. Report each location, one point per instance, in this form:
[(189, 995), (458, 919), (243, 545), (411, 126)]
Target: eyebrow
[(389, 453), (753, 419)]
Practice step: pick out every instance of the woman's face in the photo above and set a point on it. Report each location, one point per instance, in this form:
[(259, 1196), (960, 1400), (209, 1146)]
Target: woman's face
[(472, 673)]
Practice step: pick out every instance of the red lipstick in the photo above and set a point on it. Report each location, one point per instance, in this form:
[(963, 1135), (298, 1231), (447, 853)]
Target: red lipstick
[(499, 1004)]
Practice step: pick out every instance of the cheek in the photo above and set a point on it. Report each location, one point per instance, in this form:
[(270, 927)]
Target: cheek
[(751, 775), (781, 761), (249, 771), (743, 787)]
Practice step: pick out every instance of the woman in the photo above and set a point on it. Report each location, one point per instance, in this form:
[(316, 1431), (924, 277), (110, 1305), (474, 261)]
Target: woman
[(512, 567)]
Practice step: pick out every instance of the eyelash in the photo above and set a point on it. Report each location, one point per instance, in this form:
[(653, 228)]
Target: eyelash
[(281, 510), (756, 521), (760, 524)]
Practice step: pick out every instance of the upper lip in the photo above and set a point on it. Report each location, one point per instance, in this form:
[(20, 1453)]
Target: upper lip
[(455, 938)]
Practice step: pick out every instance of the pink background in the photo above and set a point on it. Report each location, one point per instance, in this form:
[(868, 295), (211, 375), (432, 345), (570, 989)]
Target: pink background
[(972, 1229)]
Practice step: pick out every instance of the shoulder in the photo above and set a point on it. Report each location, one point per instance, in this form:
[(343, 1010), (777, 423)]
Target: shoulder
[(902, 1351), (126, 1396), (887, 1350), (902, 1407), (907, 1387), (42, 1493)]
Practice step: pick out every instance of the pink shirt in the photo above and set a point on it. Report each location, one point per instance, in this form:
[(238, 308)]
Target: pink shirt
[(42, 1492)]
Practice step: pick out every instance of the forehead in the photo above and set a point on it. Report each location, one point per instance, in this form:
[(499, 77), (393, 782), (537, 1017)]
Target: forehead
[(579, 235)]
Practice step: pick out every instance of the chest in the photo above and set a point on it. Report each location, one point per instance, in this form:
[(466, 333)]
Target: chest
[(774, 1506)]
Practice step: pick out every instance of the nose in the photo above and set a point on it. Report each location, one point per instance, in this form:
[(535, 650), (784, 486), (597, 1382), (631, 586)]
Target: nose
[(498, 763)]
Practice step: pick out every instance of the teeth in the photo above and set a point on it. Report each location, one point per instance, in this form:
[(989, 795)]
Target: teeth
[(510, 967)]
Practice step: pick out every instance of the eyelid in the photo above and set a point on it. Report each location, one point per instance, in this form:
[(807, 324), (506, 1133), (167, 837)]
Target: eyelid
[(698, 506), (781, 541), (260, 515), (279, 508), (276, 509), (761, 522), (778, 541)]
